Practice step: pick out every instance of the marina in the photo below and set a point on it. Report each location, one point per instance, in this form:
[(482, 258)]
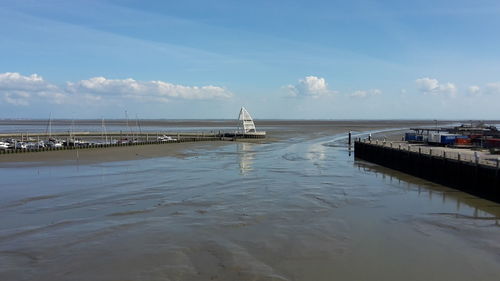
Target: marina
[(11, 142)]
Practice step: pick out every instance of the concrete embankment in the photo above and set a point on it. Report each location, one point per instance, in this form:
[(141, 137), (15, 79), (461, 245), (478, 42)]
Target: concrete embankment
[(480, 178)]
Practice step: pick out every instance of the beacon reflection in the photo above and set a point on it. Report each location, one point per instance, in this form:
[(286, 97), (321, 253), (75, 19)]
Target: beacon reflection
[(246, 157)]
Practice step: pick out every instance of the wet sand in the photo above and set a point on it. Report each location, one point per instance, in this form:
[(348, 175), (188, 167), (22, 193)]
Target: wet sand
[(108, 154), (280, 130), (297, 208)]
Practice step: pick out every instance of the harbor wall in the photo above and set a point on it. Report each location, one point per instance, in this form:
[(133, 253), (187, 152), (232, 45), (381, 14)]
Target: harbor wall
[(480, 180)]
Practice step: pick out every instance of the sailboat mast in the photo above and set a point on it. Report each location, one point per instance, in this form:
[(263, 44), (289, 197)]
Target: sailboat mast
[(50, 125), (47, 128), (138, 124), (128, 127), (104, 132), (102, 129), (72, 135)]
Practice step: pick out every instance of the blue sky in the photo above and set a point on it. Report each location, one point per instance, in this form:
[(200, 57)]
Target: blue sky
[(280, 59)]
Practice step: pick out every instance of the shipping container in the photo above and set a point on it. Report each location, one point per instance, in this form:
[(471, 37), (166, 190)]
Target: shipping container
[(463, 140), (434, 138), (492, 143), (410, 136), (447, 139), (442, 138)]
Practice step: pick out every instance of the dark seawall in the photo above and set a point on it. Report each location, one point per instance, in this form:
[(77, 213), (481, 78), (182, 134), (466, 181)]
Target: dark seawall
[(479, 180)]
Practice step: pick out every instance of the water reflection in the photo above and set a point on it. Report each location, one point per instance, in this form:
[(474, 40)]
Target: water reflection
[(316, 152), (466, 205), (246, 157)]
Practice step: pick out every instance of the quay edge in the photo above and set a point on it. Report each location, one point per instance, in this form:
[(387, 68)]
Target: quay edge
[(473, 178)]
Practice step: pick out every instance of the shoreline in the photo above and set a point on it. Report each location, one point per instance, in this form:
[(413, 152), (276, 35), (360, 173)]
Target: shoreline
[(100, 155), (283, 132)]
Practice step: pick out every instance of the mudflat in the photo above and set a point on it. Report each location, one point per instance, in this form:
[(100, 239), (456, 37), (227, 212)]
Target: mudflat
[(296, 207), (98, 155), (277, 130)]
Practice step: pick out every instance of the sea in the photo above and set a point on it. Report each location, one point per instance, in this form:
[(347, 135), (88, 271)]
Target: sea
[(299, 207)]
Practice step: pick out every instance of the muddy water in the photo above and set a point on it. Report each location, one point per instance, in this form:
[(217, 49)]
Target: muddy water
[(300, 208)]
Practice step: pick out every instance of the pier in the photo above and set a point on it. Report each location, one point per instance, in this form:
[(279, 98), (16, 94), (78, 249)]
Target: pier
[(462, 169), (32, 142), (113, 139)]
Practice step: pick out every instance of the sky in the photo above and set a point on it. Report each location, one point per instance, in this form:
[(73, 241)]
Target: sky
[(360, 59)]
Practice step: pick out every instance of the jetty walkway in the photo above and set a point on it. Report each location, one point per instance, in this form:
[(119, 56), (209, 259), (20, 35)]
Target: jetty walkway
[(113, 139), (459, 154)]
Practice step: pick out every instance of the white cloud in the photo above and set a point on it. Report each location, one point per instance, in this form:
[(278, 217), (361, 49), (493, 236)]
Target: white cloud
[(310, 86), (146, 91), (448, 88), (488, 89), (17, 89), (365, 94), (12, 81), (54, 97), (19, 98), (432, 86), (427, 84), (474, 90)]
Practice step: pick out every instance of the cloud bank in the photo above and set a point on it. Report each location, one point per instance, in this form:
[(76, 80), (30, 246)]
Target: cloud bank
[(488, 89), (17, 89), (432, 86), (474, 90), (20, 90), (310, 86)]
